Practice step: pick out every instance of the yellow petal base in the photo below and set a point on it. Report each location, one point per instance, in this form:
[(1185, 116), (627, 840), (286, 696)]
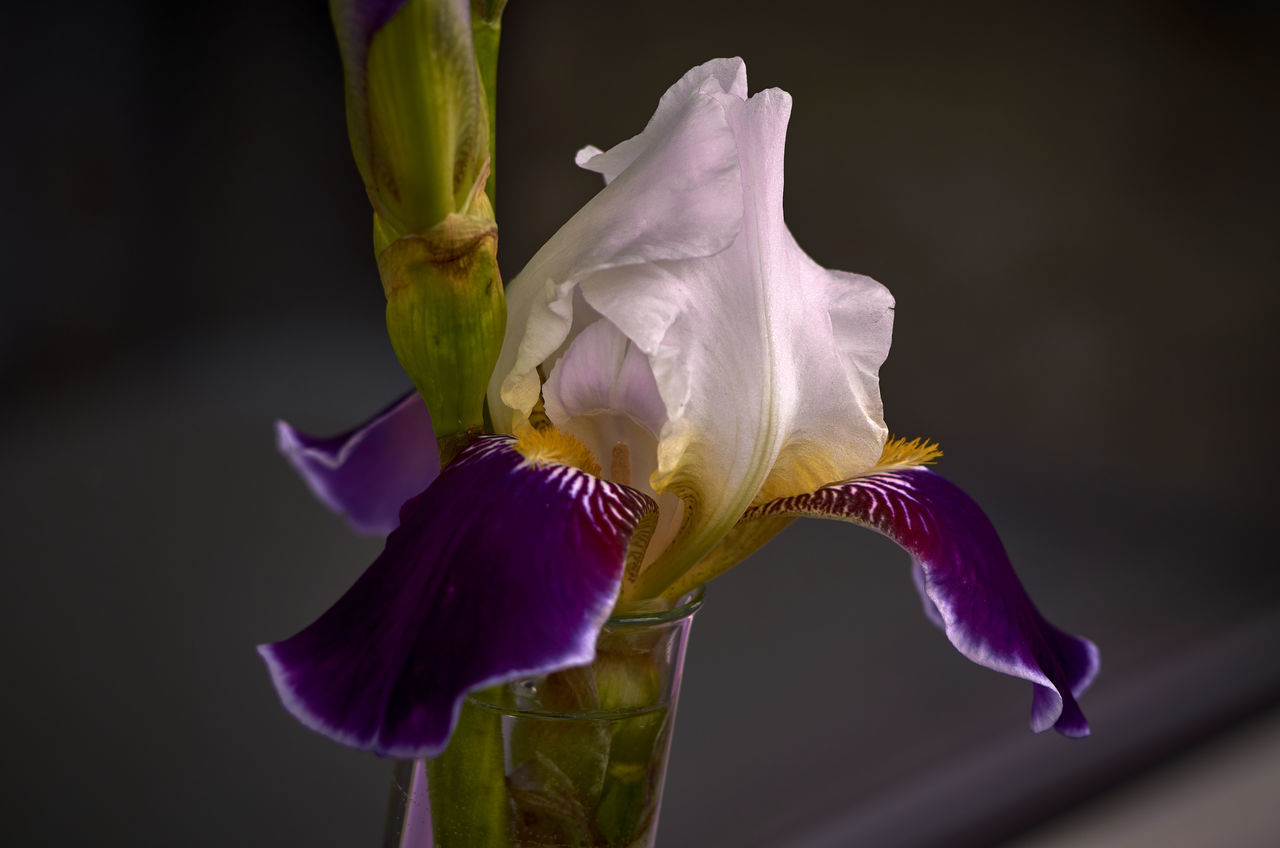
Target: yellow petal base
[(900, 453), (553, 447)]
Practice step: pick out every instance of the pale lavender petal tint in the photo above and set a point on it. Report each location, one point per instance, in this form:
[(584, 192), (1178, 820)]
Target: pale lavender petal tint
[(499, 570), (966, 582), (367, 473), (355, 22)]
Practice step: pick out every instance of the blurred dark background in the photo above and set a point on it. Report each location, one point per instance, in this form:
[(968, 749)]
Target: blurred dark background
[(1074, 204)]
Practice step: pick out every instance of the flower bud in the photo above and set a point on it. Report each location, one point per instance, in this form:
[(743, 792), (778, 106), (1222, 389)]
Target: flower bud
[(416, 110)]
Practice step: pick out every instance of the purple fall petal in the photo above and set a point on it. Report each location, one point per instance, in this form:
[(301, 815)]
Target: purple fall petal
[(966, 582), (367, 473), (497, 571)]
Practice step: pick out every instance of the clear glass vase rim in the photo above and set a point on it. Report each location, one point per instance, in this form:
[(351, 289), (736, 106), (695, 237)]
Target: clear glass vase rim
[(683, 611), (685, 607)]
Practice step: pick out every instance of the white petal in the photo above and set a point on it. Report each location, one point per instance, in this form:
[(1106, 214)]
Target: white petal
[(603, 373), (719, 76), (766, 361), (680, 197)]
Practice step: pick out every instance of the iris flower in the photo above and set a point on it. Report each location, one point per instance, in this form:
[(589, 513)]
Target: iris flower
[(680, 381)]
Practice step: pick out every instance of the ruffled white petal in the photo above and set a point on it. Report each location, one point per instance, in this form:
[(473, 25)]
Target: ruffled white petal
[(727, 76), (680, 197)]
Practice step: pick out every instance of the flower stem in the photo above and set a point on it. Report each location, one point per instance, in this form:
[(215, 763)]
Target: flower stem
[(467, 785)]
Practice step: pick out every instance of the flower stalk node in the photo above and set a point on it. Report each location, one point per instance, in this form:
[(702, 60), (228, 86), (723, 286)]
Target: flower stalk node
[(446, 315), (452, 240)]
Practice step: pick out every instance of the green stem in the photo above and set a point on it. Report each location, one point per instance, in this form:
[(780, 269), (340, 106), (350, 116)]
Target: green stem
[(467, 784)]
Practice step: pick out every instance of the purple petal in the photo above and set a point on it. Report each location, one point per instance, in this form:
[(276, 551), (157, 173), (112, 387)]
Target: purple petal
[(360, 19), (355, 22), (499, 570), (367, 473), (966, 582)]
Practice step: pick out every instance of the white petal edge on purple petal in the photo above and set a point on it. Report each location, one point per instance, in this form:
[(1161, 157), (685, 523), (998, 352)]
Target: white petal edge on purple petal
[(538, 550), (950, 540)]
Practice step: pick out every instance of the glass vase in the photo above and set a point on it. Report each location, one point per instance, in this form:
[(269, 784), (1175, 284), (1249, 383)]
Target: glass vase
[(570, 759)]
